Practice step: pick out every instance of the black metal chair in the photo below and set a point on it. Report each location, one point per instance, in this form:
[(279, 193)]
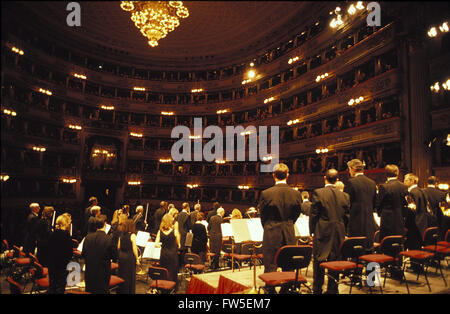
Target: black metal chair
[(291, 259), (160, 283)]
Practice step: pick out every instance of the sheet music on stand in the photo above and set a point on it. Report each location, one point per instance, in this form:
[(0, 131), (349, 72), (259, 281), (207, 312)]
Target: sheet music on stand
[(142, 238), (151, 252), (377, 219), (227, 231), (301, 226), (245, 230)]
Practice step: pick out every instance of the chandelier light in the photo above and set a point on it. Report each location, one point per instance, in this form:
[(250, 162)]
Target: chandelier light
[(155, 19)]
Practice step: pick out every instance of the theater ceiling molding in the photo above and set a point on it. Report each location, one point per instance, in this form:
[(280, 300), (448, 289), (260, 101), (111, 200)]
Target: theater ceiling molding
[(214, 32)]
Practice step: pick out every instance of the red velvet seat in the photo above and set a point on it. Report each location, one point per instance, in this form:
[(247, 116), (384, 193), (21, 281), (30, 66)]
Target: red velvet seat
[(115, 281), (281, 278), (351, 248), (443, 243), (291, 259), (114, 266), (40, 281), (193, 263), (437, 249), (160, 282), (22, 261), (387, 257)]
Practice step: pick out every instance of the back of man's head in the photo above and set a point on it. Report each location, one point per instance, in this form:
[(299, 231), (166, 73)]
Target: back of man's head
[(220, 211), (391, 171), (356, 165), (305, 195), (34, 207), (432, 180), (100, 221), (95, 210), (198, 207), (216, 205), (280, 171), (92, 200), (331, 176), (139, 209), (411, 179), (185, 206)]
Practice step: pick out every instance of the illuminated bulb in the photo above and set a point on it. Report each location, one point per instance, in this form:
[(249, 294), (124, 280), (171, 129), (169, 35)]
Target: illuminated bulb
[(251, 74), (4, 177), (351, 10), (446, 85), (252, 64), (359, 5), (318, 78), (165, 113), (339, 20), (351, 102), (432, 32), (361, 98), (333, 23), (318, 150), (139, 89), (443, 186), (444, 27)]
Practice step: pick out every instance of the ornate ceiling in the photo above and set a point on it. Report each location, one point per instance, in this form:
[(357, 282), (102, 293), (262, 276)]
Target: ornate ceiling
[(214, 31)]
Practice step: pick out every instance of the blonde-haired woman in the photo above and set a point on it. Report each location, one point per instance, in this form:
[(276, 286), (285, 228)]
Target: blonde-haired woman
[(168, 238), (60, 253), (236, 214)]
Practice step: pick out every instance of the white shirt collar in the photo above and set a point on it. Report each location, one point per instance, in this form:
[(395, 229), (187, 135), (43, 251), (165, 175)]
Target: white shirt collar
[(412, 187), (359, 174), (392, 178), (329, 184), (281, 182), (431, 186), (305, 200)]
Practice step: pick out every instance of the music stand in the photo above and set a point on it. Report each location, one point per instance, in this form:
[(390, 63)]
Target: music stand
[(248, 231)]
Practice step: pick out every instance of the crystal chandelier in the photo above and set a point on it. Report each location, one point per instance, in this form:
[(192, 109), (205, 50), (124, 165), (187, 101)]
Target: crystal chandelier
[(155, 19)]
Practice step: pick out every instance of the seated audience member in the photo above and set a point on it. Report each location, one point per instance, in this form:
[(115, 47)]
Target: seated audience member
[(98, 251), (60, 252)]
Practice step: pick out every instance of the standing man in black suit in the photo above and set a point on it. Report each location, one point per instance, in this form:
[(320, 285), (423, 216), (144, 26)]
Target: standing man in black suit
[(139, 219), (98, 250), (184, 225), (328, 211), (213, 211), (215, 236), (435, 197), (418, 218), (391, 204), (30, 240), (280, 206), (158, 215), (87, 214), (362, 192), (306, 203)]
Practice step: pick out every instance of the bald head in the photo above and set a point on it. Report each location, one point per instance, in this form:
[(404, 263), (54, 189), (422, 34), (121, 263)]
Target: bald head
[(220, 211), (331, 176)]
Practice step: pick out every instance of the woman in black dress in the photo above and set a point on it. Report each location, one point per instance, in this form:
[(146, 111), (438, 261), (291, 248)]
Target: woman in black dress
[(44, 230), (168, 238), (200, 237), (128, 257), (60, 253)]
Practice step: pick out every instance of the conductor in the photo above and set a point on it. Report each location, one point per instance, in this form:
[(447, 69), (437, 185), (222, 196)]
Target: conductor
[(280, 206)]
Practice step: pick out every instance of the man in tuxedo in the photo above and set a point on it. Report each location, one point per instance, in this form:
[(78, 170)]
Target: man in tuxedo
[(280, 206), (434, 197), (158, 215), (29, 243), (92, 222), (98, 250), (87, 214), (193, 214), (306, 203), (329, 208), (213, 211), (391, 203), (362, 192), (215, 236), (418, 218), (139, 219), (184, 225)]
